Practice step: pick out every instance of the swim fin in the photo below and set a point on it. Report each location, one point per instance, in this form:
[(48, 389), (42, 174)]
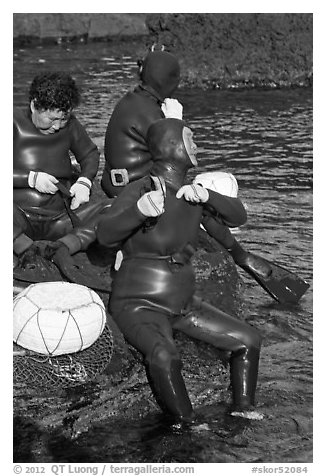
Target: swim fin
[(34, 268), (283, 285), (79, 274)]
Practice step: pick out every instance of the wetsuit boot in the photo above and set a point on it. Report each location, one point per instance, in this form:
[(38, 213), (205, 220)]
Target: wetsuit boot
[(243, 372), (170, 391)]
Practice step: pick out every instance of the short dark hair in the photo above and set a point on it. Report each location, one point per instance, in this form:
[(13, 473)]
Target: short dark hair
[(54, 90)]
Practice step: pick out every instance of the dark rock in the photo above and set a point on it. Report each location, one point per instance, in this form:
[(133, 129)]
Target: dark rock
[(237, 50), (216, 50)]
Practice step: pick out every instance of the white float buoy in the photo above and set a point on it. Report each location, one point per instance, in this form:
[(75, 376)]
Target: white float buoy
[(56, 318), (221, 182)]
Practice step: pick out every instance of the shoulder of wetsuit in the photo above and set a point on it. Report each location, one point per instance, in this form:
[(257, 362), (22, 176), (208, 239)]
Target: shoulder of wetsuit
[(18, 113), (21, 117), (135, 106), (74, 122)]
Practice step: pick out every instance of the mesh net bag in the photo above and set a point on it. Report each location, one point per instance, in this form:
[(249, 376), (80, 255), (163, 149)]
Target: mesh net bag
[(38, 370), (61, 335)]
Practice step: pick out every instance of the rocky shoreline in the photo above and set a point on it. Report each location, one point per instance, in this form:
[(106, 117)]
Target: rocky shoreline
[(233, 50), (51, 28), (221, 51)]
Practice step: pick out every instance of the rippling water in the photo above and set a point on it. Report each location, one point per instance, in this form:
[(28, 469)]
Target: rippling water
[(265, 139)]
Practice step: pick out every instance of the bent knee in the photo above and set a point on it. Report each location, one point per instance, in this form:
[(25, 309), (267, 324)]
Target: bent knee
[(163, 355), (252, 338)]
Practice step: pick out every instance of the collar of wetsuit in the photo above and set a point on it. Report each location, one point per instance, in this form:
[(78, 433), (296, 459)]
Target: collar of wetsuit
[(152, 92), (161, 71), (170, 158)]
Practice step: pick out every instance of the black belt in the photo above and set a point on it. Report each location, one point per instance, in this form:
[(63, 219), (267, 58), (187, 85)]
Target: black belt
[(179, 257)]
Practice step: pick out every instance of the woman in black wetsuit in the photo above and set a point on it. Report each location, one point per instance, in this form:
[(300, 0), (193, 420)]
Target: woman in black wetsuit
[(127, 157), (45, 133), (153, 292)]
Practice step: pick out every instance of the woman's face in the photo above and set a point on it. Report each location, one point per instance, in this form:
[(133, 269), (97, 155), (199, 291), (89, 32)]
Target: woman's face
[(190, 145), (49, 121)]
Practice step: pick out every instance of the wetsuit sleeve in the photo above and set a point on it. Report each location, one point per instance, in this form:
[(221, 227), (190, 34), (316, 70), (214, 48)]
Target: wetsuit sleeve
[(121, 219), (84, 150), (20, 178), (230, 210)]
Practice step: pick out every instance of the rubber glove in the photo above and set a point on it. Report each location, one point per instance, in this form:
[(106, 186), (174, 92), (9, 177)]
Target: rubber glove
[(151, 204), (172, 108), (193, 193), (42, 182), (80, 192)]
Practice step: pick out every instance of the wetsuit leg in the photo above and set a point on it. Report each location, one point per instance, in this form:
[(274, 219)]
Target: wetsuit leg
[(209, 324), (83, 235), (22, 231), (150, 333)]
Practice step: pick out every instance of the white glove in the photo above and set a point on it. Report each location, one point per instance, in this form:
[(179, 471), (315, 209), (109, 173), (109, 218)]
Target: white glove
[(172, 108), (193, 193), (151, 204), (80, 192), (42, 182)]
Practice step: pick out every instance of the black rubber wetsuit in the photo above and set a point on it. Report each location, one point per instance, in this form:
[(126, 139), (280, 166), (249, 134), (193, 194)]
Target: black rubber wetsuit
[(153, 291), (43, 215), (125, 139)]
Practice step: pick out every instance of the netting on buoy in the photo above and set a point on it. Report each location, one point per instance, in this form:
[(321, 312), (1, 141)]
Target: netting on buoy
[(55, 318), (38, 370), (61, 335)]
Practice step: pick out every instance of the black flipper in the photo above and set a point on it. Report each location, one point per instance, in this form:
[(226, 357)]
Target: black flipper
[(79, 274), (34, 268), (283, 285), (280, 283)]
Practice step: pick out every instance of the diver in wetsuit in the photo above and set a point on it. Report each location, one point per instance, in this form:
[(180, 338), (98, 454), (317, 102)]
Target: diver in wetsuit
[(45, 134), (153, 292), (127, 157)]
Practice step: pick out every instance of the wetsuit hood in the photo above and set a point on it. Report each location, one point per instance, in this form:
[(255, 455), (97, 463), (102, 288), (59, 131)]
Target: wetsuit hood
[(170, 158), (161, 71)]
